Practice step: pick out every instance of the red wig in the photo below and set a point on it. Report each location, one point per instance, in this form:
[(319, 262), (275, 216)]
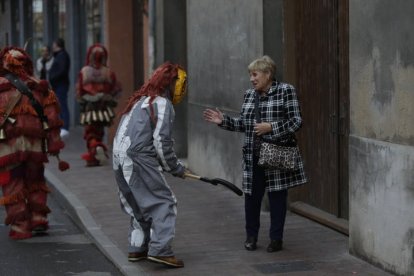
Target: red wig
[(15, 60), (97, 56), (158, 85)]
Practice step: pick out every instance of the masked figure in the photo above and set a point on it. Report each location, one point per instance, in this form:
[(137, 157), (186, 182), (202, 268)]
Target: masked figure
[(142, 149), (97, 89), (29, 131)]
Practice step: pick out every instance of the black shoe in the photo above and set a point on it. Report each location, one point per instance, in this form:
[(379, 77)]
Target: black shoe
[(250, 243), (274, 246)]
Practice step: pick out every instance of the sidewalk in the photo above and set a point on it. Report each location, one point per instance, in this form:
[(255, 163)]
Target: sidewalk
[(210, 227)]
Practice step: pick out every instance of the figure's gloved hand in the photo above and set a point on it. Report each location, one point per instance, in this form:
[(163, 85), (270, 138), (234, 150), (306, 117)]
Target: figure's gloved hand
[(179, 172)]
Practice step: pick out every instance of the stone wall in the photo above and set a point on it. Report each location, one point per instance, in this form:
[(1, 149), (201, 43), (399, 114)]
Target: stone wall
[(221, 41), (381, 150)]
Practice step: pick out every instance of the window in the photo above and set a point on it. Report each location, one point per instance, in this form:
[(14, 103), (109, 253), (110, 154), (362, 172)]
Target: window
[(38, 37), (93, 22), (62, 18)]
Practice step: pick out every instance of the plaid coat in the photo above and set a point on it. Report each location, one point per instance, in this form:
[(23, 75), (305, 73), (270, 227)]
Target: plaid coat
[(280, 108)]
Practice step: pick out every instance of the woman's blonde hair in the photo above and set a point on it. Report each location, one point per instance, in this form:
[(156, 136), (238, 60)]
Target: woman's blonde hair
[(264, 64)]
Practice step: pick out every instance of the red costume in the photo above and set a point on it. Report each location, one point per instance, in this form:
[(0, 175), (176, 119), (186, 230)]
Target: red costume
[(97, 88), (26, 139)]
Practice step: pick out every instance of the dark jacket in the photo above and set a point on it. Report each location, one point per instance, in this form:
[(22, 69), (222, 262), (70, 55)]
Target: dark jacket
[(59, 72)]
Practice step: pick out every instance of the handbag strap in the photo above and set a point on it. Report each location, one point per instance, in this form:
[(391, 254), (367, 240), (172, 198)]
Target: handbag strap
[(256, 107)]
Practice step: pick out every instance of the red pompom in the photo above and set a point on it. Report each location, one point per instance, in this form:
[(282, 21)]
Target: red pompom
[(63, 166)]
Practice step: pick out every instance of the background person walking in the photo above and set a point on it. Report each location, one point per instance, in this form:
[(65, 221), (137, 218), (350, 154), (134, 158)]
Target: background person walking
[(44, 63), (59, 80)]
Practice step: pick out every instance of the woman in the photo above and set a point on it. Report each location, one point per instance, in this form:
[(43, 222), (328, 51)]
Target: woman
[(142, 149), (280, 119), (44, 63)]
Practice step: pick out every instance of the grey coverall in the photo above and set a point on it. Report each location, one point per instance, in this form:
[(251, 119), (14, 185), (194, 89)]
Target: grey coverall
[(142, 150)]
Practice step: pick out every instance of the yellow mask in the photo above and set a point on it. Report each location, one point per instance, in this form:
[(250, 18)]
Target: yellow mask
[(180, 87)]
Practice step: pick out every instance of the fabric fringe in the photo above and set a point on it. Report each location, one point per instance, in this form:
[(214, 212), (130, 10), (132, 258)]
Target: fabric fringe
[(14, 198), (23, 108), (5, 86), (39, 208), (19, 157), (21, 216), (39, 186), (4, 178), (51, 99)]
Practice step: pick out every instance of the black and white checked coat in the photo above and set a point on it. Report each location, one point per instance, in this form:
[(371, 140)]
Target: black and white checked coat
[(280, 108)]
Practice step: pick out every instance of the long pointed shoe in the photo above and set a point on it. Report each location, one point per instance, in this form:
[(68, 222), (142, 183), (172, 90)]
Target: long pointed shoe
[(170, 261), (40, 229), (14, 235)]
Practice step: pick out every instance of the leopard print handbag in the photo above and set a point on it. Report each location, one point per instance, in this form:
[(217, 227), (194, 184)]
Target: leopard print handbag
[(278, 157)]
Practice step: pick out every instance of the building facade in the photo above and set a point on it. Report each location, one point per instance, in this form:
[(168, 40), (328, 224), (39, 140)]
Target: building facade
[(81, 23), (351, 61)]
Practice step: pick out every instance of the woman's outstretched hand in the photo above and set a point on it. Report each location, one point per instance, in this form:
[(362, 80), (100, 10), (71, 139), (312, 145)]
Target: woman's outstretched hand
[(213, 116)]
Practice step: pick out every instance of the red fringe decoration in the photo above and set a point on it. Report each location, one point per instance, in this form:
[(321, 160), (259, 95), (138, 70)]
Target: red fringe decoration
[(14, 198), (26, 64), (23, 108), (54, 148), (19, 157), (43, 87), (4, 178), (5, 85), (14, 235), (39, 208), (40, 186), (51, 99), (21, 216)]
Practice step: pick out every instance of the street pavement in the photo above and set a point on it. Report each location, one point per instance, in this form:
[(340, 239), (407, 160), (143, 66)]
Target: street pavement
[(209, 231), (65, 250)]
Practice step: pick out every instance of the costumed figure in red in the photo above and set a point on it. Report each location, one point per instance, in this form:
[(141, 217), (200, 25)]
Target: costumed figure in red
[(29, 132), (97, 90)]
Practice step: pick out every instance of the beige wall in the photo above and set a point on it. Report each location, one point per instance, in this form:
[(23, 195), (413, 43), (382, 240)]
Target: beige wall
[(125, 56), (382, 70)]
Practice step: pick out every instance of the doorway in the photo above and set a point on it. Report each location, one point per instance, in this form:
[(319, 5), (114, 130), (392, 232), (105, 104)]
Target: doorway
[(316, 62)]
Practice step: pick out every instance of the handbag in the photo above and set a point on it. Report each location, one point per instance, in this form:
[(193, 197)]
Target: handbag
[(276, 155), (279, 157)]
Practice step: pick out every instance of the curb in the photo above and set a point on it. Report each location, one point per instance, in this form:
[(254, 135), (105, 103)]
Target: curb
[(83, 218)]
